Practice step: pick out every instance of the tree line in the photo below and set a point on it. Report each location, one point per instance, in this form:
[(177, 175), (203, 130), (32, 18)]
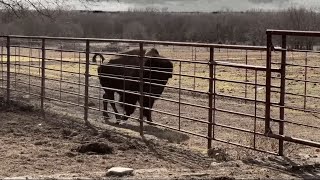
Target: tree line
[(217, 27)]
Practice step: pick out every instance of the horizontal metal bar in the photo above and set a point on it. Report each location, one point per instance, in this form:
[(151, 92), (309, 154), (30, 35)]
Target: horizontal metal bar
[(25, 47), (300, 65), (187, 89), (295, 140), (176, 115), (25, 56), (243, 146), (243, 98), (31, 66), (180, 130), (293, 32), (151, 96), (298, 109), (243, 66), (301, 80), (239, 113), (258, 48), (68, 82), (20, 73), (190, 61), (69, 72), (114, 113), (64, 61), (66, 102), (26, 92), (129, 78), (146, 69), (113, 101), (175, 101), (238, 129), (301, 95), (295, 123), (243, 82), (296, 50), (21, 82), (48, 49), (204, 62), (65, 50), (66, 92)]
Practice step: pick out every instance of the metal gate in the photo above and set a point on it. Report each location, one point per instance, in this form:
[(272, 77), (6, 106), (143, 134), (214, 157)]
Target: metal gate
[(295, 73), (243, 101)]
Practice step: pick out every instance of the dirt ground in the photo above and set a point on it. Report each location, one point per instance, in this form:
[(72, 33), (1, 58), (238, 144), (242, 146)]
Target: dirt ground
[(55, 148)]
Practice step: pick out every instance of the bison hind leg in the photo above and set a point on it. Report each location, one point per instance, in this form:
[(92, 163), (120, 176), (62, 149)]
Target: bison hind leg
[(130, 100), (105, 114), (109, 95), (148, 103)]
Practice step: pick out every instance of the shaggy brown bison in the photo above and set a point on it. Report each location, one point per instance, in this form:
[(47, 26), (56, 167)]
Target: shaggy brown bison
[(111, 75)]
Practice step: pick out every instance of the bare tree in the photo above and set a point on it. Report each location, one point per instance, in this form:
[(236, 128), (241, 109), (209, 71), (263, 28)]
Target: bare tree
[(46, 8), (43, 7)]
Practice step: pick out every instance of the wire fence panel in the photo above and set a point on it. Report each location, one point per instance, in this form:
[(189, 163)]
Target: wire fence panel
[(196, 94)]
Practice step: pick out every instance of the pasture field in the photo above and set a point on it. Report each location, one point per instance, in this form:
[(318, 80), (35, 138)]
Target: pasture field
[(189, 86)]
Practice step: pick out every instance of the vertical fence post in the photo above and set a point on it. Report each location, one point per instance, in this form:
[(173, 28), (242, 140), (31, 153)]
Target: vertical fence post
[(246, 79), (194, 69), (210, 118), (141, 84), (2, 64), (43, 75), (268, 84), (282, 90), (180, 70), (86, 93), (8, 69), (305, 82), (255, 109)]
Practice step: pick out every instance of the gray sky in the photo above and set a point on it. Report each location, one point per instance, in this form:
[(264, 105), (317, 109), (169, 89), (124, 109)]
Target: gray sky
[(196, 5)]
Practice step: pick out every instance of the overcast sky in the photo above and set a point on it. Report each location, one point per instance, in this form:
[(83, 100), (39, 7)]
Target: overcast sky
[(196, 5)]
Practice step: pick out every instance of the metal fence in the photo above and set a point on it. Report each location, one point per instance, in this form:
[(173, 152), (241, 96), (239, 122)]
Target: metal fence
[(218, 93)]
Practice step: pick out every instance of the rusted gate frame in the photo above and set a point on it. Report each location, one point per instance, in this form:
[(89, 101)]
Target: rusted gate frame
[(281, 136)]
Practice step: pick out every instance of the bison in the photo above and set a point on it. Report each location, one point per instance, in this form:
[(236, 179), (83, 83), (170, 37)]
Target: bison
[(122, 73)]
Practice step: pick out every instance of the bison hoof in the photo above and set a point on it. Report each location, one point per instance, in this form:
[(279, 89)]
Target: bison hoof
[(150, 122), (106, 119), (119, 122), (118, 117)]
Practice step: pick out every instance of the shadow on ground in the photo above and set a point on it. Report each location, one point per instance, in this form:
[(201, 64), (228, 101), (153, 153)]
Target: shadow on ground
[(161, 133)]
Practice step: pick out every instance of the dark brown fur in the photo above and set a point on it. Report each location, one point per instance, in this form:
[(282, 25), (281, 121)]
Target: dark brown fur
[(156, 73)]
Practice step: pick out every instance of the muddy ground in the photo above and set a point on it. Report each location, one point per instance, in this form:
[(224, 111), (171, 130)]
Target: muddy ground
[(56, 147)]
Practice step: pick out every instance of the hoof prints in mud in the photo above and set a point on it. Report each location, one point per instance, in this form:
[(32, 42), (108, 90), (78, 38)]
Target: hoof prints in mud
[(96, 147)]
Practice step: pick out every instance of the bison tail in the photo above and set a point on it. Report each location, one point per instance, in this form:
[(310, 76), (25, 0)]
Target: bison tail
[(94, 58)]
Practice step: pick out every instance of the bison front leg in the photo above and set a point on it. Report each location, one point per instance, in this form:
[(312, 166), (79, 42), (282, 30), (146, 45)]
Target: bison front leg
[(148, 103), (109, 95), (105, 107), (113, 105)]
